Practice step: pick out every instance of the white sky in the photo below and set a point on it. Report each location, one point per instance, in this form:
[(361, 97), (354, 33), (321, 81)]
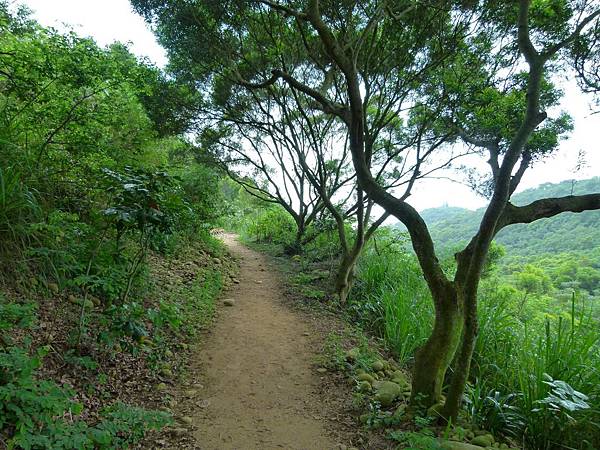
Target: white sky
[(113, 20)]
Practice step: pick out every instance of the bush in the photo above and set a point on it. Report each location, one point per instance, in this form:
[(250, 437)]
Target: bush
[(38, 414), (273, 225)]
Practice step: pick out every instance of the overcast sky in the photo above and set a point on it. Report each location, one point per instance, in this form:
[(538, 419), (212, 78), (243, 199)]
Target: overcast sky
[(113, 20)]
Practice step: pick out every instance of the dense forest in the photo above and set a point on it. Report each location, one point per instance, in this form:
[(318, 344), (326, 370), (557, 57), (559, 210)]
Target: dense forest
[(304, 127)]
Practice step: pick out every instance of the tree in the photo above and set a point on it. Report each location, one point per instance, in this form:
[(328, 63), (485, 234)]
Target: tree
[(373, 63)]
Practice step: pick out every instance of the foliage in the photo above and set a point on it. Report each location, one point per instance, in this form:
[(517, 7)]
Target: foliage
[(96, 175), (273, 225), (34, 413), (390, 298), (535, 365)]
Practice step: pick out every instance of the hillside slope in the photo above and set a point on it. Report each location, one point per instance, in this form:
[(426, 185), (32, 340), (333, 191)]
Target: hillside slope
[(567, 232)]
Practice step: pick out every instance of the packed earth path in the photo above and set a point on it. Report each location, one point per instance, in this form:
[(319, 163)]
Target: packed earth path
[(258, 369)]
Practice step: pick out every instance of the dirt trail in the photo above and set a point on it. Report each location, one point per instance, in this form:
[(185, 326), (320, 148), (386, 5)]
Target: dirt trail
[(258, 366)]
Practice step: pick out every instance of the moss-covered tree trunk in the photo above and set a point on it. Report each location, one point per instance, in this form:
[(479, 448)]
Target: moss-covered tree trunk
[(434, 357), (345, 275)]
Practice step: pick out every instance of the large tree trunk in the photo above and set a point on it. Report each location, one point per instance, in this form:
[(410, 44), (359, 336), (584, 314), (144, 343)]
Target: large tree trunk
[(469, 336), (434, 357), (345, 275), (295, 248)]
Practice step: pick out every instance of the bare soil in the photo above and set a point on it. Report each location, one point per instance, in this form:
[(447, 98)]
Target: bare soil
[(259, 388)]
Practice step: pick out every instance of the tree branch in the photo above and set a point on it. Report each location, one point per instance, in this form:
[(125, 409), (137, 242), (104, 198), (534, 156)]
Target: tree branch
[(547, 207)]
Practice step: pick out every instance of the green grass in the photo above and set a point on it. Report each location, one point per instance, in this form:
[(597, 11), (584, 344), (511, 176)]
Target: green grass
[(535, 377)]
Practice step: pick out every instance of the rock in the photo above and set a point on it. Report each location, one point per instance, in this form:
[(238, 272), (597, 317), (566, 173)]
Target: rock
[(216, 260), (235, 281), (400, 376), (365, 377), (364, 386), (187, 420), (321, 370), (88, 304), (387, 392), (400, 410), (161, 387), (179, 432), (484, 440), (435, 410), (72, 298), (377, 366), (353, 354), (53, 287), (229, 302), (451, 445)]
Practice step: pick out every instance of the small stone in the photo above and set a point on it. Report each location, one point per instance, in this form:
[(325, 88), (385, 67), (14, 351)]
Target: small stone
[(321, 370), (435, 410), (88, 304), (353, 354), (179, 432), (53, 287), (72, 298), (377, 366), (161, 387), (365, 377), (216, 260), (364, 386), (306, 333), (229, 302), (451, 445), (400, 410), (387, 392), (485, 440), (187, 420), (203, 404), (235, 281)]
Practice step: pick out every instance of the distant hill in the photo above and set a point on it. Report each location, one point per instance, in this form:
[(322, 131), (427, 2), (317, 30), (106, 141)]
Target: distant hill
[(568, 232)]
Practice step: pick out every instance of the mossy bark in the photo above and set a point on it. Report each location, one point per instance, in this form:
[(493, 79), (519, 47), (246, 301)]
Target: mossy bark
[(434, 357), (345, 275), (463, 360)]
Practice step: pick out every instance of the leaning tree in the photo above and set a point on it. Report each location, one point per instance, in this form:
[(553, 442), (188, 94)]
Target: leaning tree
[(373, 64)]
